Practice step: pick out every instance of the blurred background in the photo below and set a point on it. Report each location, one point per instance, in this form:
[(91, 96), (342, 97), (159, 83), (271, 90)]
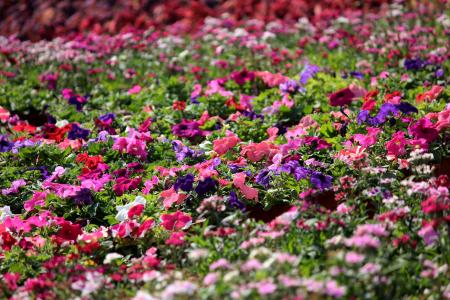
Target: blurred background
[(44, 19)]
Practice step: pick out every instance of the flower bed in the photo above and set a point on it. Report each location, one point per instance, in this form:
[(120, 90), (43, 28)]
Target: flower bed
[(259, 161)]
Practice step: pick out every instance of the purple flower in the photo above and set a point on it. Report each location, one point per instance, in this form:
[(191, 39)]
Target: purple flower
[(187, 129), (78, 133), (252, 115), (184, 183), (414, 64), (386, 110), (363, 117), (194, 100), (235, 202), (406, 108), (83, 197), (357, 75), (109, 117), (5, 144), (43, 170), (263, 178), (308, 72), (78, 101), (182, 151), (206, 186), (290, 87), (292, 167), (320, 180)]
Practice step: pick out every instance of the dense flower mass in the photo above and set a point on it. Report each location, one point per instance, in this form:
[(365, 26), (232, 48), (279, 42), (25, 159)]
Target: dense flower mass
[(244, 160)]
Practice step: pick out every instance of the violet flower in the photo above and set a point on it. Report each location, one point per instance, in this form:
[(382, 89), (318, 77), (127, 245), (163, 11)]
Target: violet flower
[(78, 133), (321, 181), (206, 186), (184, 183), (235, 202)]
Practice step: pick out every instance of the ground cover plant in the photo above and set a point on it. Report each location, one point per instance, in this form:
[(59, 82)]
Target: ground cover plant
[(278, 160)]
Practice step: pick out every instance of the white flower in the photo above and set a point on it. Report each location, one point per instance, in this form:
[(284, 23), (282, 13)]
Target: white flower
[(123, 209), (178, 288), (111, 256), (92, 283), (5, 211), (61, 123), (142, 295)]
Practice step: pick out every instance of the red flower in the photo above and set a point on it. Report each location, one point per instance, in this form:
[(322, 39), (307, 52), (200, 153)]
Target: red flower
[(145, 226), (125, 184), (341, 97), (69, 231), (24, 127), (179, 105)]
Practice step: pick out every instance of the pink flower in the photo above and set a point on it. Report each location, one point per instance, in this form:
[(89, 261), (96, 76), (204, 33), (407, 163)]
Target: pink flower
[(149, 185), (251, 265), (364, 241), (38, 199), (211, 278), (221, 146), (257, 151), (4, 115), (222, 263), (270, 79), (369, 139), (429, 235), (396, 146), (137, 148), (266, 287), (14, 188), (177, 220), (248, 192), (197, 91), (272, 132), (353, 257), (11, 280), (135, 90), (175, 239), (171, 196), (334, 290), (430, 95)]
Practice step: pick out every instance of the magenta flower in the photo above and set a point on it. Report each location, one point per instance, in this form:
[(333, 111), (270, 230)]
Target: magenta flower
[(187, 129), (423, 128)]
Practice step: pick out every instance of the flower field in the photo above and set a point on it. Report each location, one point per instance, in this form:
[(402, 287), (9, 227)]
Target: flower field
[(245, 159)]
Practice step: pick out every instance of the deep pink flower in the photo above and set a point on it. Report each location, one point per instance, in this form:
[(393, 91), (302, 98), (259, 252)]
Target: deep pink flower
[(177, 220), (397, 145), (423, 128), (38, 199), (135, 90)]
